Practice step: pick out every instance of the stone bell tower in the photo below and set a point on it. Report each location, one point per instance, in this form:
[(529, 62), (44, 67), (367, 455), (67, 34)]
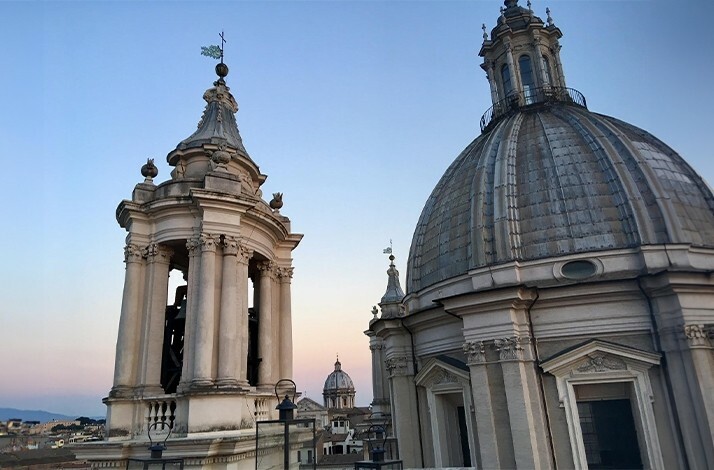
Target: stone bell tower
[(200, 357)]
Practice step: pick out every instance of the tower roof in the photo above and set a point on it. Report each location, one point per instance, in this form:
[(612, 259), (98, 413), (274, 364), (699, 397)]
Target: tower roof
[(338, 380)]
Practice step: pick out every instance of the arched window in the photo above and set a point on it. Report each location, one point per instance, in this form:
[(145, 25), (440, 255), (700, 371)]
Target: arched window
[(506, 78), (524, 64), (546, 66)]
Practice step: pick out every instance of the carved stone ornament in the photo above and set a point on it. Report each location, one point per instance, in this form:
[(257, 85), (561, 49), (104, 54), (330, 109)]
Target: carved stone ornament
[(285, 274), (277, 202), (208, 242), (697, 335), (244, 253), (443, 377), (266, 268), (509, 349), (475, 352), (376, 347), (230, 245), (396, 366), (155, 252), (192, 245), (375, 312), (133, 253), (149, 170), (599, 362)]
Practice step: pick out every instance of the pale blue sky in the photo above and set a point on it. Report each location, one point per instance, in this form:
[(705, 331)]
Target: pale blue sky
[(353, 109)]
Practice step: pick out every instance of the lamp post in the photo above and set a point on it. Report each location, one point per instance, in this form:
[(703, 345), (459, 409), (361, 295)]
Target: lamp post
[(377, 450), (156, 460), (286, 409)]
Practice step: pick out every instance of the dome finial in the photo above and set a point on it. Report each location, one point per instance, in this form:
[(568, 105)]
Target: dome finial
[(485, 34), (549, 19), (510, 3), (528, 3), (216, 52)]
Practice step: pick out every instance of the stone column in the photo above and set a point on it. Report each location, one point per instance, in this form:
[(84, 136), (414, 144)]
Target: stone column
[(228, 332), (558, 65), (243, 258), (265, 324), (286, 325), (492, 82), (157, 286), (126, 365), (205, 315), (486, 429), (404, 409), (194, 265), (525, 405), (515, 76), (539, 69)]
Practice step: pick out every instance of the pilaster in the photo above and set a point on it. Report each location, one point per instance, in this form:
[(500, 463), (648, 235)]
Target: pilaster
[(285, 275), (404, 398)]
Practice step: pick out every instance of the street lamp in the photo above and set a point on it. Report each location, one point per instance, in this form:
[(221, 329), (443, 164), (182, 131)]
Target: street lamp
[(286, 409), (156, 460), (377, 450)]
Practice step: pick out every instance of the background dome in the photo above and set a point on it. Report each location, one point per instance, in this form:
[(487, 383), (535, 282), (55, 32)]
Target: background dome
[(338, 380), (552, 181)]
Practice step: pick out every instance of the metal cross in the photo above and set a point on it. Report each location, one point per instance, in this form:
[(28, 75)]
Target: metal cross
[(223, 41)]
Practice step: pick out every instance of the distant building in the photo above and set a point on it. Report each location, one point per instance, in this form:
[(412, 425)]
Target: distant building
[(560, 302)]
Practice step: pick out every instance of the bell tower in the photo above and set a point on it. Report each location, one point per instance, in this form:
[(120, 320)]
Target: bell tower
[(199, 356)]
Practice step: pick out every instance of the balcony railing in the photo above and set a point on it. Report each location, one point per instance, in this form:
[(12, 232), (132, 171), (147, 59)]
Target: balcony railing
[(531, 97)]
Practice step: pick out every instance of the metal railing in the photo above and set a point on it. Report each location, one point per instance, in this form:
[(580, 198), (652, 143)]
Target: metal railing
[(529, 97)]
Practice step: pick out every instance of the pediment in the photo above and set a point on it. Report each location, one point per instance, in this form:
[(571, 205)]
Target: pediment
[(437, 372), (307, 404), (597, 356)]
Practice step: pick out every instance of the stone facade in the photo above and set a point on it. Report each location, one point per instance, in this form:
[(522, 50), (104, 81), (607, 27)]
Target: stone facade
[(560, 305)]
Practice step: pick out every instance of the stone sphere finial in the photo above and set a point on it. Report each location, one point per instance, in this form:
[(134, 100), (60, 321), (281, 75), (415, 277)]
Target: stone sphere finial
[(221, 70), (221, 156), (149, 170), (277, 202)]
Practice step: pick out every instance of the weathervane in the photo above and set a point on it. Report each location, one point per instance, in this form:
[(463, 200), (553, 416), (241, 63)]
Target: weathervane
[(388, 250), (214, 51)]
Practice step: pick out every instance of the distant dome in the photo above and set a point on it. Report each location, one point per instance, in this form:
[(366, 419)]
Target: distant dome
[(339, 391), (553, 180), (338, 380)]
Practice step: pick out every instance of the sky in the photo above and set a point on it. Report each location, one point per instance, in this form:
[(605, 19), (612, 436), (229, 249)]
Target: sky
[(353, 109)]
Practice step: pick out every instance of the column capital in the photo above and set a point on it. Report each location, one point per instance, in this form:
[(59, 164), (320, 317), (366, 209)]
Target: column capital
[(266, 268), (230, 245), (475, 352), (133, 253), (209, 242), (192, 245), (155, 252), (511, 349), (698, 335), (397, 366), (244, 253), (285, 273)]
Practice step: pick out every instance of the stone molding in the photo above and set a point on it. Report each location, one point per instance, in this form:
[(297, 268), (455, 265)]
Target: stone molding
[(475, 352), (698, 335), (397, 366), (133, 253)]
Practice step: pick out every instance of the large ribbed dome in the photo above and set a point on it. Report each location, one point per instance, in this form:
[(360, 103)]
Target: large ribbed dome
[(553, 180)]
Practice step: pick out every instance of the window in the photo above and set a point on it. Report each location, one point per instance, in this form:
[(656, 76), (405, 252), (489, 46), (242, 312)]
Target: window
[(546, 66), (524, 64), (506, 78), (607, 396)]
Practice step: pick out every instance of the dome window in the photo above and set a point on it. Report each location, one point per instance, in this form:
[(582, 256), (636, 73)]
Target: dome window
[(506, 79), (580, 269), (524, 64)]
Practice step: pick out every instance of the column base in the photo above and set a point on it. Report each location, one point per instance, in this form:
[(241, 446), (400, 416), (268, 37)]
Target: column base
[(227, 384), (150, 390), (202, 384), (122, 391)]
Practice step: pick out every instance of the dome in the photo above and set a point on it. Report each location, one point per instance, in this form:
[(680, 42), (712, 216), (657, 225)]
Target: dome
[(556, 179), (338, 380)]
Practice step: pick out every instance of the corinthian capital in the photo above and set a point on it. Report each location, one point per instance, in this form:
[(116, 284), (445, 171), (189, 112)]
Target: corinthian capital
[(285, 274), (266, 268), (192, 245), (511, 349), (156, 252), (475, 352), (208, 242), (244, 253), (397, 366), (230, 245), (697, 335), (133, 253)]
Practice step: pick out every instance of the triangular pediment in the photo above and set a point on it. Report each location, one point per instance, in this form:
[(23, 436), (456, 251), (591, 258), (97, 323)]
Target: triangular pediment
[(599, 356), (443, 371), (308, 404)]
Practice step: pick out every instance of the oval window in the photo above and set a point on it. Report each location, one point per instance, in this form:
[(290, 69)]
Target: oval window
[(580, 269)]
